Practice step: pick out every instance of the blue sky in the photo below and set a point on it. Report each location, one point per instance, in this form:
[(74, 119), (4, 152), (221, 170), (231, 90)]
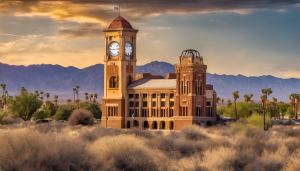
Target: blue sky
[(251, 38)]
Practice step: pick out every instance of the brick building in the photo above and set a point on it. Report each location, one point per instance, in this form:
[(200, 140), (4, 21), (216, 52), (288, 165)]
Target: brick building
[(152, 101)]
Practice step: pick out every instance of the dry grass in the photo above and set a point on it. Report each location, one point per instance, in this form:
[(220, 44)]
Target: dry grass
[(59, 146), (81, 116)]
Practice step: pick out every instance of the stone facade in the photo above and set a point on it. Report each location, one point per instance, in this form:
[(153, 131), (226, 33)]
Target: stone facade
[(152, 101)]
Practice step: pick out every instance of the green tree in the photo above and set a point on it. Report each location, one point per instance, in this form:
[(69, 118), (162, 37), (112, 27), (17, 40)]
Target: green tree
[(235, 97), (47, 95), (23, 89), (24, 105), (228, 104), (77, 91), (55, 101), (74, 91), (92, 107), (218, 100), (95, 97), (246, 97), (250, 97), (42, 98), (42, 114), (297, 99), (63, 112), (86, 96), (222, 101), (69, 101), (91, 96), (3, 98), (263, 101)]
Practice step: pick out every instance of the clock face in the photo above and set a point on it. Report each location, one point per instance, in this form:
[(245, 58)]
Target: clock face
[(114, 49), (128, 49)]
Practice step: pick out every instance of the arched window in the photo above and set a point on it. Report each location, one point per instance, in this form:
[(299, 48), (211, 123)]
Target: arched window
[(128, 79), (114, 82)]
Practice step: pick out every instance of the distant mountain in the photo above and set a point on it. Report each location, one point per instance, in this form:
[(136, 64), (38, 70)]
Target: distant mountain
[(60, 80)]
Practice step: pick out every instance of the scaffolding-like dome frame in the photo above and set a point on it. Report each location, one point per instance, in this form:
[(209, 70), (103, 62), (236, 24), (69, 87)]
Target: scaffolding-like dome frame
[(190, 53)]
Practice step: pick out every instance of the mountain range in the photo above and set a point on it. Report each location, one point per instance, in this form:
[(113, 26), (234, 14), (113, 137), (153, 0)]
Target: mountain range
[(60, 80)]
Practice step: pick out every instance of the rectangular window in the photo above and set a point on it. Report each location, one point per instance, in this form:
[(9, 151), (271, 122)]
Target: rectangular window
[(144, 96), (208, 111), (153, 104), (153, 112), (131, 112), (144, 113), (208, 104), (136, 113), (171, 96), (136, 96), (183, 111), (144, 103), (130, 96), (154, 95), (198, 111), (163, 95), (130, 104), (136, 104), (171, 112), (163, 104), (171, 103)]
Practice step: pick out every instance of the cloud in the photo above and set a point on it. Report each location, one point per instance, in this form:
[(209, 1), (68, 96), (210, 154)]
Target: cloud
[(81, 32)]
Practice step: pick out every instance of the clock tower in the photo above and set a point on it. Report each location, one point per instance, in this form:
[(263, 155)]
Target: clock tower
[(119, 71)]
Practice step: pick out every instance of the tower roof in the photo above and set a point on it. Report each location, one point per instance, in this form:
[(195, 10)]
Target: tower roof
[(120, 22)]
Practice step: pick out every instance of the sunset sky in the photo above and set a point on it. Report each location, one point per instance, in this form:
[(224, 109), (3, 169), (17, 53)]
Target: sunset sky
[(250, 37)]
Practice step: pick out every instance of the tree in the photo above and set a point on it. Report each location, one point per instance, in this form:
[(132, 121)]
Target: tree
[(55, 101), (218, 100), (91, 96), (86, 96), (274, 103), (246, 97), (222, 101), (95, 97), (263, 101), (23, 89), (235, 97), (228, 104), (74, 90), (77, 91), (69, 100), (292, 98), (42, 98), (250, 97), (24, 105), (3, 87), (47, 95), (297, 99)]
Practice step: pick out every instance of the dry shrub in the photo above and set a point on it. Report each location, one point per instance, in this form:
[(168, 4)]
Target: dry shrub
[(139, 133), (289, 122), (81, 116), (7, 120), (194, 133), (294, 162), (92, 134), (24, 149)]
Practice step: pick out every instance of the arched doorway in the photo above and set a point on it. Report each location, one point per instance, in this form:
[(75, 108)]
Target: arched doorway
[(128, 124), (162, 125), (154, 125), (171, 125), (136, 123), (146, 125)]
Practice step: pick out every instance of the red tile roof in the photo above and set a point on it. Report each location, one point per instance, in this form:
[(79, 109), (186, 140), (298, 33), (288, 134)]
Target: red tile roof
[(120, 23)]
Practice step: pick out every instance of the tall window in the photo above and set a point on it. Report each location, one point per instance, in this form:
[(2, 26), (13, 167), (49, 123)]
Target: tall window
[(171, 112), (153, 104), (136, 104), (163, 103), (171, 96), (171, 103), (136, 96), (131, 104), (136, 113), (112, 111), (131, 112), (196, 87), (198, 111), (153, 95), (187, 87), (184, 86), (114, 82), (144, 96), (163, 95), (144, 113), (183, 111), (145, 104), (130, 96)]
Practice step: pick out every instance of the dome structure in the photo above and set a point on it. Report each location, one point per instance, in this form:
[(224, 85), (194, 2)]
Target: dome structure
[(190, 53), (120, 22)]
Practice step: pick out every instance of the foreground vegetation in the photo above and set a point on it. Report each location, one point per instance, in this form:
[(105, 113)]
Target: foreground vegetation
[(59, 146)]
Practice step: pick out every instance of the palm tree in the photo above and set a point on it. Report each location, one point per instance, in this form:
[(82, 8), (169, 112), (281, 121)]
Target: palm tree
[(3, 87), (246, 97), (86, 96), (228, 104), (235, 97), (78, 101), (74, 90), (267, 92), (297, 99), (222, 101), (47, 95), (77, 88), (69, 100), (55, 97), (95, 97), (91, 96), (292, 98), (263, 101), (23, 89), (274, 103), (42, 98), (218, 100)]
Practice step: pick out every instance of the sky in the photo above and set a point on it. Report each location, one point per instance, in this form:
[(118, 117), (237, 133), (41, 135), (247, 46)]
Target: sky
[(247, 37)]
